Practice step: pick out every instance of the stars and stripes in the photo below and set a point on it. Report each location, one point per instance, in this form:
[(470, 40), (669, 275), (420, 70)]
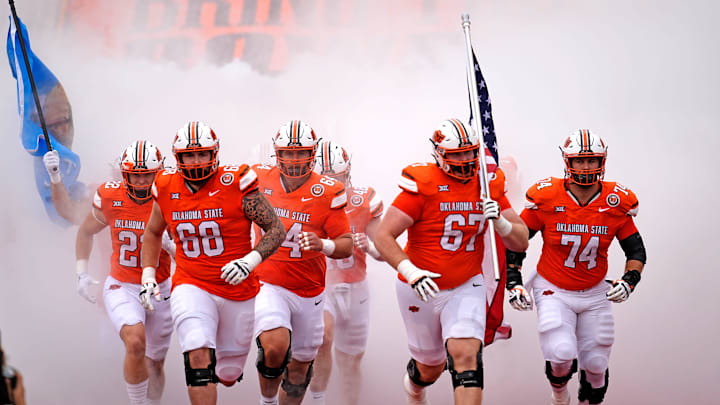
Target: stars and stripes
[(486, 121)]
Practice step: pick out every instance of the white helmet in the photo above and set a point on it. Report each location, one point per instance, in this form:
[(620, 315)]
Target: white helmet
[(584, 143), (295, 136), (196, 136), (141, 157), (334, 161), (453, 136)]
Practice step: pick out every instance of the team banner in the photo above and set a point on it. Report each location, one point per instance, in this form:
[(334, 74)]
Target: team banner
[(58, 115)]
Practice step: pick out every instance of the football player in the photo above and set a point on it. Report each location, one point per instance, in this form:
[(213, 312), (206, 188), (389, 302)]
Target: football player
[(347, 307), (209, 210), (288, 311), (440, 288), (125, 206), (579, 216)]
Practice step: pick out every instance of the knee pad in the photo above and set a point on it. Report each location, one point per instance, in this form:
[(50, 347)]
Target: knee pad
[(297, 390), (414, 374), (596, 364), (200, 377), (468, 378), (270, 372), (562, 380), (587, 392)]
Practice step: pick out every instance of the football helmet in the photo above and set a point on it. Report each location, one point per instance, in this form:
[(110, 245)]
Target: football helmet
[(196, 136), (452, 136), (141, 157), (584, 143), (333, 161), (293, 137)]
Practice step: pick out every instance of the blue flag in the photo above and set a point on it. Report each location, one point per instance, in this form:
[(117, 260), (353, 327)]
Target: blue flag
[(52, 96), (486, 121)]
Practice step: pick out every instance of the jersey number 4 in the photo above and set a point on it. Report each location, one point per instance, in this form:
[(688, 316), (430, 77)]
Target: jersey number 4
[(588, 254)]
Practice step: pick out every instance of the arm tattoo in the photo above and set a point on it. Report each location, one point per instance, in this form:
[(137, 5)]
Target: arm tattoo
[(258, 210)]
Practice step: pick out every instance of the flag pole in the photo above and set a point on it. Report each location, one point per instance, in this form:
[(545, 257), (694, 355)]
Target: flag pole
[(472, 87), (18, 27)]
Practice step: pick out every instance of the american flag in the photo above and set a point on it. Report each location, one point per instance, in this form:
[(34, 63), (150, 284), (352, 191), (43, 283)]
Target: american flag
[(486, 121)]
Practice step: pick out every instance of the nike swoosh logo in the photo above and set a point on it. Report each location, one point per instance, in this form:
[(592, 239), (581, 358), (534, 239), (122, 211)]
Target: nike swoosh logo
[(476, 285), (363, 301), (166, 298), (318, 302), (212, 193), (306, 199), (603, 209)]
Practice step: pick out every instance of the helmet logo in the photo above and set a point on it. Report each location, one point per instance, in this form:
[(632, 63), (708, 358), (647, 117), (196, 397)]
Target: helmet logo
[(356, 200), (317, 190), (227, 179), (568, 141), (438, 137), (612, 200)]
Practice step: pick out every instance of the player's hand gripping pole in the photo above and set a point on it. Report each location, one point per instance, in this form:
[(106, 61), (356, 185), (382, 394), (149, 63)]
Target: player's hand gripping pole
[(30, 75), (472, 88)]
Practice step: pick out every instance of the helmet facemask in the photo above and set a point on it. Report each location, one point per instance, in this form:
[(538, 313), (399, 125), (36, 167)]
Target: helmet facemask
[(461, 169), (197, 171), (585, 177), (295, 167)]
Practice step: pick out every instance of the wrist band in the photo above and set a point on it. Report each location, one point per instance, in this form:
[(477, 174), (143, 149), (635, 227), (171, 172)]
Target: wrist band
[(328, 247), (502, 226), (372, 250), (81, 266)]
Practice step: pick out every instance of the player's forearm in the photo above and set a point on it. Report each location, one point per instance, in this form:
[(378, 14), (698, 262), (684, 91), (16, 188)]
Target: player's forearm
[(271, 240), (388, 247), (517, 239), (152, 242), (634, 265), (343, 247), (83, 244), (68, 209)]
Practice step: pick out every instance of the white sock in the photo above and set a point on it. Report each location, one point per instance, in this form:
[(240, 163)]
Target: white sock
[(137, 393), (153, 401), (268, 401), (415, 394), (317, 398)]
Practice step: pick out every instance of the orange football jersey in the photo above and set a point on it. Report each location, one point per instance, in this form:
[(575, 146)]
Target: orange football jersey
[(127, 220), (363, 206), (317, 206), (576, 237), (447, 234), (209, 228)]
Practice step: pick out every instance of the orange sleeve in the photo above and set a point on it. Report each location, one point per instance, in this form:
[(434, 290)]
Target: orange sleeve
[(531, 219), (409, 203), (504, 202), (336, 223), (627, 229)]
